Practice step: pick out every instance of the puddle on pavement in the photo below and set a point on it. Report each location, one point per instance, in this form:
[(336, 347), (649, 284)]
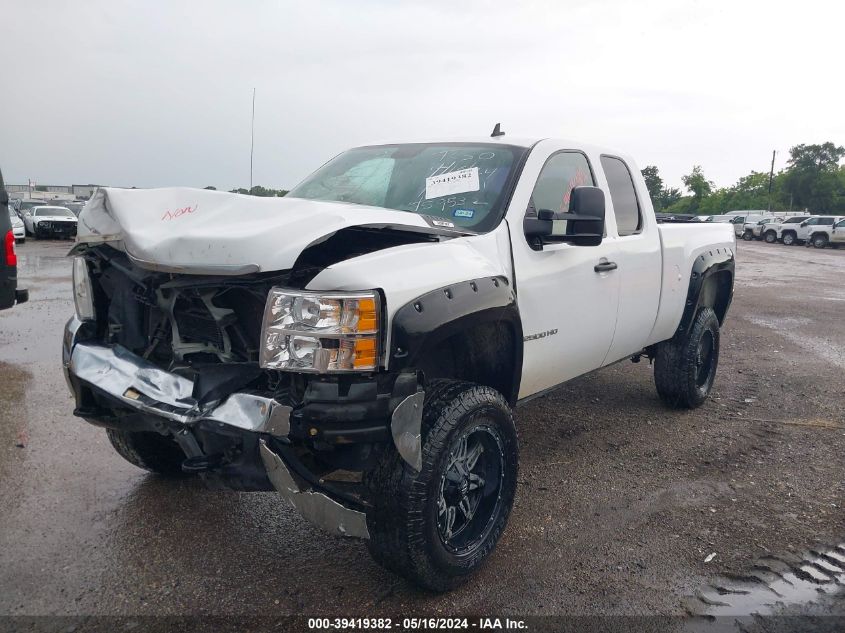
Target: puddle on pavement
[(776, 586)]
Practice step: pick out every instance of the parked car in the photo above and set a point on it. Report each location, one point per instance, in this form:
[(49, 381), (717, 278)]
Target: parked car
[(369, 322), (812, 230), (10, 294), (742, 222), (754, 230), (785, 230), (821, 235), (674, 217), (25, 206), (724, 219), (18, 228), (49, 221), (75, 207)]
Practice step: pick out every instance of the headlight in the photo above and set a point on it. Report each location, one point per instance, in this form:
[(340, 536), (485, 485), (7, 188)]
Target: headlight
[(83, 292), (320, 331)]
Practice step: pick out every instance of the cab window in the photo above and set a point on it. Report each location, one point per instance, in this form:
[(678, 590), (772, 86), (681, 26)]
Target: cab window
[(626, 206)]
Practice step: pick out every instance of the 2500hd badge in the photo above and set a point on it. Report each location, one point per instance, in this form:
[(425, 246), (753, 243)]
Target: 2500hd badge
[(360, 325)]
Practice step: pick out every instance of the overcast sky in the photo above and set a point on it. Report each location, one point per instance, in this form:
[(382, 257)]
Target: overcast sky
[(158, 93)]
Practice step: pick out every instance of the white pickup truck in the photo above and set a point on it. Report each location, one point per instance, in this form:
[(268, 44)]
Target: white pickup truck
[(360, 345), (816, 230)]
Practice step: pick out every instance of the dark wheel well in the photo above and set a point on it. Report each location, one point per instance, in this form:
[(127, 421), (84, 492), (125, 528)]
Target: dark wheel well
[(484, 355), (716, 293)]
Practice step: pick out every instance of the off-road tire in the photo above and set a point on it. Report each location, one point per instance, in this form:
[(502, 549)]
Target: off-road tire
[(770, 237), (677, 369), (820, 241), (403, 525), (151, 451), (789, 238), (748, 235)]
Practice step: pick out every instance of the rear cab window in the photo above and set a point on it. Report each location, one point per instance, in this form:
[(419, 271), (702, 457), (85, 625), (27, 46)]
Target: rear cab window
[(623, 195)]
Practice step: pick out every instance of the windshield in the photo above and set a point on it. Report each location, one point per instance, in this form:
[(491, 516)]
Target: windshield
[(54, 211), (464, 184), (794, 220), (723, 219)]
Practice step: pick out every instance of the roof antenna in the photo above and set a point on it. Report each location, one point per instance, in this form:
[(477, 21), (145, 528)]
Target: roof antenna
[(497, 131)]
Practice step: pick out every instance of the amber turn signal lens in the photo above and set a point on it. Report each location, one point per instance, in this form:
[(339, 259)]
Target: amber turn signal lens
[(367, 317), (365, 353)]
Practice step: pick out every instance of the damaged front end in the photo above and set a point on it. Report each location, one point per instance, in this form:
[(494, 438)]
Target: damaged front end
[(180, 355)]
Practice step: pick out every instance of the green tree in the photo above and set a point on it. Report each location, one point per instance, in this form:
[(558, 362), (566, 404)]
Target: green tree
[(262, 192), (669, 196), (654, 184), (698, 186), (813, 177)]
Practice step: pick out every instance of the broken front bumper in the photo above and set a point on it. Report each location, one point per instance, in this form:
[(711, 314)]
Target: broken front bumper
[(140, 386)]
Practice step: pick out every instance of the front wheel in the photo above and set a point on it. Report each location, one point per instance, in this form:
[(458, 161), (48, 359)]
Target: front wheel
[(148, 450), (685, 366), (437, 526)]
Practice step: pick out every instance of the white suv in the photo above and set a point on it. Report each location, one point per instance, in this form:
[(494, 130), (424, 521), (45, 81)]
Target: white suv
[(753, 230), (786, 230), (814, 230)]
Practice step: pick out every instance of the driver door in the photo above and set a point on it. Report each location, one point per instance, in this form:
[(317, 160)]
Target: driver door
[(568, 306)]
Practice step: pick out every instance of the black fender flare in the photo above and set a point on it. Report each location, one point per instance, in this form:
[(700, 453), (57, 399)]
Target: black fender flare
[(705, 266), (440, 314)]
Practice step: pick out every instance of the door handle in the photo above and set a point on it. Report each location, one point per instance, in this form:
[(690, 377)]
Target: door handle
[(605, 266)]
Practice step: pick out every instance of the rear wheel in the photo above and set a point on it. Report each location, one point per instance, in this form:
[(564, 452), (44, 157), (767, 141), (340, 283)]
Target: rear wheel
[(685, 366), (789, 238), (435, 527), (820, 240), (748, 235), (151, 451), (771, 237)]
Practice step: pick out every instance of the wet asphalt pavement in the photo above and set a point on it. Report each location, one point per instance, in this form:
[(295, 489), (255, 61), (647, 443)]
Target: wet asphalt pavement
[(620, 500)]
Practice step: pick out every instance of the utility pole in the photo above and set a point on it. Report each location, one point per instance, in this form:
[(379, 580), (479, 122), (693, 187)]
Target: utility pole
[(252, 140), (771, 177)]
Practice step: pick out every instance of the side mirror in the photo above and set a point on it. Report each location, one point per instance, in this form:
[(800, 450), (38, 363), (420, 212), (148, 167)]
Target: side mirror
[(582, 225)]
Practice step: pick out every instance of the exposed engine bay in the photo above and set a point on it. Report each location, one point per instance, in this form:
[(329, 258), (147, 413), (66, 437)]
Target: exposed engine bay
[(177, 321), (205, 331)]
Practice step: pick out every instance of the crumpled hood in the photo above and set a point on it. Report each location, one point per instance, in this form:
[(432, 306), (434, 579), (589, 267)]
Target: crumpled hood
[(181, 229)]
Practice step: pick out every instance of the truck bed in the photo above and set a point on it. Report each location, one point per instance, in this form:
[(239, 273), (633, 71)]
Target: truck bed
[(681, 244)]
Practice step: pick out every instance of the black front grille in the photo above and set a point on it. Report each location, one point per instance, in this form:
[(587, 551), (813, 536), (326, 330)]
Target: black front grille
[(62, 227)]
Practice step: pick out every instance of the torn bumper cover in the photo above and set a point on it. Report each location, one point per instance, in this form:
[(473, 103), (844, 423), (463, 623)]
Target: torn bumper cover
[(140, 385), (317, 507), (143, 387)]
